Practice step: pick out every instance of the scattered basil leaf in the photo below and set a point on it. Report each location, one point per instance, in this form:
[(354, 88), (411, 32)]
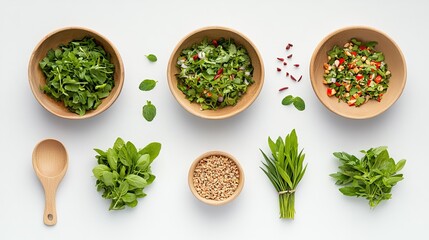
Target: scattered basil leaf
[(149, 111), (147, 85), (126, 187), (79, 74), (151, 57), (372, 177), (287, 100), (297, 102)]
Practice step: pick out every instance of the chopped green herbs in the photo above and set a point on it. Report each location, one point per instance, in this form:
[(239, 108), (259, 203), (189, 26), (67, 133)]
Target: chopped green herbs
[(356, 73), (214, 74), (151, 57), (284, 168), (296, 101), (149, 111), (123, 172), (147, 85), (79, 74), (372, 177)]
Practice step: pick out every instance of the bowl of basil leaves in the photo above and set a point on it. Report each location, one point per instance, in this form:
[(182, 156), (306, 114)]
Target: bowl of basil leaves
[(215, 72), (75, 73)]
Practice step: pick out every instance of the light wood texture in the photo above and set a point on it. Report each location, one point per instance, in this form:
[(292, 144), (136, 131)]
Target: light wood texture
[(209, 201), (64, 36), (393, 58), (217, 32), (50, 163)]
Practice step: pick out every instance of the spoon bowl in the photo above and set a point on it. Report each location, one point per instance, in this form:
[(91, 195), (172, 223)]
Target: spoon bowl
[(50, 163)]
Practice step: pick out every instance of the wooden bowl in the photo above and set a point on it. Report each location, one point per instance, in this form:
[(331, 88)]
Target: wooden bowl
[(54, 40), (216, 32), (210, 201), (393, 58)]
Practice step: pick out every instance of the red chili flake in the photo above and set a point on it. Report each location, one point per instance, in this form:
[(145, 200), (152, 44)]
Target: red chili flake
[(337, 84), (195, 57), (283, 88), (300, 77), (296, 65), (280, 59), (287, 74), (287, 47), (284, 63), (214, 42), (290, 44), (279, 69), (292, 77), (289, 56)]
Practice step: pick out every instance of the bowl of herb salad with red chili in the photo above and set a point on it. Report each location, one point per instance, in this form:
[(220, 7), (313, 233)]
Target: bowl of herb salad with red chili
[(215, 72), (358, 72)]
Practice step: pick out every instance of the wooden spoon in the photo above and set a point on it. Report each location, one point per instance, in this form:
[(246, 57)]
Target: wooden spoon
[(50, 163)]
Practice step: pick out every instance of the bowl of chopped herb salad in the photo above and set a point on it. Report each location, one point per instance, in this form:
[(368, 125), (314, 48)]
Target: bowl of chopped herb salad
[(215, 72), (75, 73), (358, 72)]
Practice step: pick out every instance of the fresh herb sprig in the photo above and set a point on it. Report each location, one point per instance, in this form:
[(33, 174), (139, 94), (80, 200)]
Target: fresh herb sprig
[(123, 172), (79, 74), (285, 170), (372, 177)]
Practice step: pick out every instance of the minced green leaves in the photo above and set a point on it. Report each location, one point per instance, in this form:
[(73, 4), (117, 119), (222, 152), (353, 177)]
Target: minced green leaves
[(123, 172), (79, 74), (214, 74), (147, 85), (284, 168), (372, 177), (149, 111), (151, 57), (296, 101)]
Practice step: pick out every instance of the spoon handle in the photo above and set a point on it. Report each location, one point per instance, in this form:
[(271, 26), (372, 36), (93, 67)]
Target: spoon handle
[(50, 214)]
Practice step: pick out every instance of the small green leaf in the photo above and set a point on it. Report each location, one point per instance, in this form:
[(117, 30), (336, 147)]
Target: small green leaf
[(147, 85), (107, 178), (152, 149), (299, 103), (149, 111), (143, 162), (400, 165), (287, 100), (136, 181), (348, 191), (112, 158), (99, 169), (123, 188), (151, 57), (129, 197)]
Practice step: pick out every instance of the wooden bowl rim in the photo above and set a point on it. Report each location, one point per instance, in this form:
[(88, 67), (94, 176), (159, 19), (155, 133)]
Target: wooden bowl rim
[(186, 105), (209, 201), (118, 84), (348, 28)]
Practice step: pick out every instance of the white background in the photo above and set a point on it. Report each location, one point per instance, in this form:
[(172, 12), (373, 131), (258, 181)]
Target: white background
[(170, 210)]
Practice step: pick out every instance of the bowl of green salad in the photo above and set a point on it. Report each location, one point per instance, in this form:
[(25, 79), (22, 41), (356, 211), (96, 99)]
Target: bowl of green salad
[(75, 73), (215, 72), (358, 72)]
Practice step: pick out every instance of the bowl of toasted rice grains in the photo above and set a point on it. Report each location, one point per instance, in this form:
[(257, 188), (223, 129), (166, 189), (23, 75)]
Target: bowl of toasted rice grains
[(216, 178)]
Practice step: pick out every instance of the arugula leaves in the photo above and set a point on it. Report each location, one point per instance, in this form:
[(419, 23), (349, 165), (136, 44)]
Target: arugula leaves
[(79, 74), (296, 101), (284, 168), (372, 177), (123, 172)]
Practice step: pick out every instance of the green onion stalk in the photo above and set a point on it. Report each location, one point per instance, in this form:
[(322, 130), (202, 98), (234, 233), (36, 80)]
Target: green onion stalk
[(284, 168)]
